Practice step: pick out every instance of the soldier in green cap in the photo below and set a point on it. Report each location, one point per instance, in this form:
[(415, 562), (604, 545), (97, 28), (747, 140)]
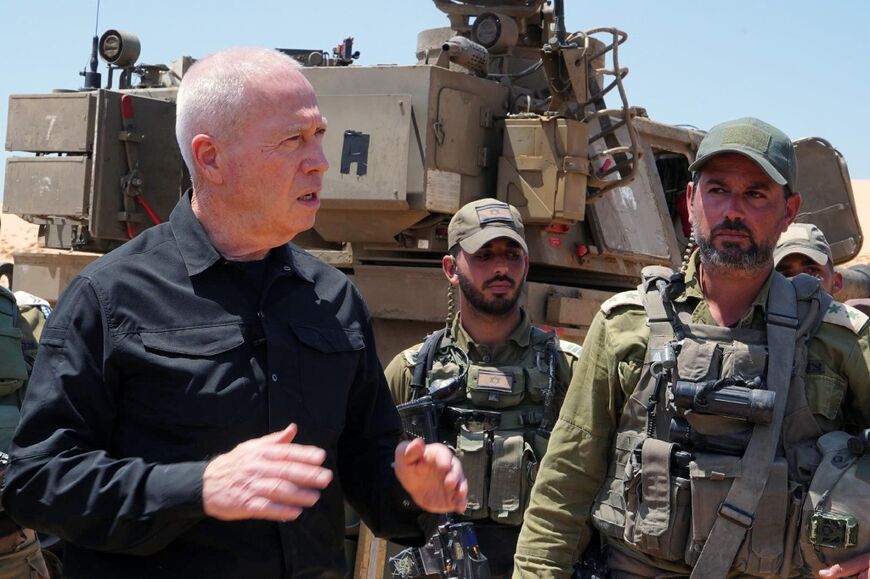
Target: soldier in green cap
[(511, 375), (692, 434), (804, 249)]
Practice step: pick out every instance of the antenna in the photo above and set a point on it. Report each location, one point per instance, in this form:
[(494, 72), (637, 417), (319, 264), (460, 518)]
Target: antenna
[(93, 79)]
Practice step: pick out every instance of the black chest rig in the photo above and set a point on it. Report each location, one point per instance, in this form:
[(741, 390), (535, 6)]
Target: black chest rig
[(496, 417), (717, 440)]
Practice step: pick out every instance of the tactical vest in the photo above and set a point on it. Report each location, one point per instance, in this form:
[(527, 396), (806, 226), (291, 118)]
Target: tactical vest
[(13, 374), (493, 421), (682, 436)]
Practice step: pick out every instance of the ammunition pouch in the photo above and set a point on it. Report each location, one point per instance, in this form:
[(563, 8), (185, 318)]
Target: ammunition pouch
[(657, 503), (500, 467), (837, 506), (763, 550)]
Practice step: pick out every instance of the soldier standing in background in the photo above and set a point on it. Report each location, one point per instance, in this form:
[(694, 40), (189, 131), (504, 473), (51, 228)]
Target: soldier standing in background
[(804, 249), (656, 445), (510, 376)]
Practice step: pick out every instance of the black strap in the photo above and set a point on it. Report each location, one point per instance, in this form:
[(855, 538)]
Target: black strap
[(425, 359)]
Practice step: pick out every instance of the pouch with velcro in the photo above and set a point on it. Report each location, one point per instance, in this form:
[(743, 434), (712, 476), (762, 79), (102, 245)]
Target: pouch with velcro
[(657, 504), (514, 467), (471, 449), (762, 550), (495, 387)]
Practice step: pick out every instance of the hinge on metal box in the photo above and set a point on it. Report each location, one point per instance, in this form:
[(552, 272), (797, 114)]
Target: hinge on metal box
[(482, 157)]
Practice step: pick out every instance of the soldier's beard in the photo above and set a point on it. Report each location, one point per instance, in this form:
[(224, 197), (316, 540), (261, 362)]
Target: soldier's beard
[(496, 306), (730, 255)]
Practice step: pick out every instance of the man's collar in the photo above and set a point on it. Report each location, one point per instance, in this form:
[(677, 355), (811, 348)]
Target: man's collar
[(196, 248), (520, 336), (199, 253)]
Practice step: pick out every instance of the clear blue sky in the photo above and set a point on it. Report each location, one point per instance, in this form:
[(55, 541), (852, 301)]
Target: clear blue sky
[(799, 64)]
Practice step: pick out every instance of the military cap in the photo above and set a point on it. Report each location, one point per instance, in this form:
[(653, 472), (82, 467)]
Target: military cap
[(805, 239), (483, 220), (767, 146)]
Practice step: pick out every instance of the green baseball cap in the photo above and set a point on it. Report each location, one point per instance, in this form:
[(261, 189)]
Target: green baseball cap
[(805, 239), (483, 220), (770, 148)]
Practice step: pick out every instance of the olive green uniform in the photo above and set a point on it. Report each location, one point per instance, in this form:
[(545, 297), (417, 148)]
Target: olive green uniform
[(401, 369), (557, 523), (523, 348)]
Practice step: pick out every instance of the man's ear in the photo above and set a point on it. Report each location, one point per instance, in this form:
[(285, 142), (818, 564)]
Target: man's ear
[(792, 206), (526, 259), (448, 266), (837, 282), (206, 158)]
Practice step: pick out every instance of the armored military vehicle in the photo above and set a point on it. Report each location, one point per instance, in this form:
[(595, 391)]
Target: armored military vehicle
[(503, 102)]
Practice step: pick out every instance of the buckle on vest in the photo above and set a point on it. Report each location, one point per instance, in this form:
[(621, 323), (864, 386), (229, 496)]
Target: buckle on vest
[(736, 516)]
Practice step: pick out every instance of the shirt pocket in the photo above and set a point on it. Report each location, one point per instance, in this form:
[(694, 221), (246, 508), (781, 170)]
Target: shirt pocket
[(825, 393), (329, 361), (196, 376)]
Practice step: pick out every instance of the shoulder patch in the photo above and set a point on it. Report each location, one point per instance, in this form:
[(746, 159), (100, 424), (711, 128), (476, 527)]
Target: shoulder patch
[(569, 348), (410, 355), (629, 298), (846, 316)]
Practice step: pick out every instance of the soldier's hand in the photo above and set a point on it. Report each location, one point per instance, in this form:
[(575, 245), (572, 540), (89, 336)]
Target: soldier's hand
[(858, 566), (432, 475), (265, 478)]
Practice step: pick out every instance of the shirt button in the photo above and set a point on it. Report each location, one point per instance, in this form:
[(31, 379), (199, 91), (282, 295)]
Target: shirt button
[(274, 377), (486, 359), (286, 268), (406, 503)]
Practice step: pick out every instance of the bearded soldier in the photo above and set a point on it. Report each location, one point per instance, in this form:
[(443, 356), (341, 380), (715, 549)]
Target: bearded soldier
[(703, 432), (509, 376)]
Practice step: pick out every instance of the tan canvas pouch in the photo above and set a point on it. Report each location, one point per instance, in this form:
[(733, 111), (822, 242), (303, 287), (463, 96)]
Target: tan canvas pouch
[(513, 466), (711, 476), (699, 360), (761, 553), (471, 449), (657, 504)]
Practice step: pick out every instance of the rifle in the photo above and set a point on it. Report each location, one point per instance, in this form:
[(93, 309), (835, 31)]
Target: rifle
[(452, 551)]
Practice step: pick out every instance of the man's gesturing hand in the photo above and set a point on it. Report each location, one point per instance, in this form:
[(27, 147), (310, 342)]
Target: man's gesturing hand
[(432, 475), (265, 478), (856, 566)]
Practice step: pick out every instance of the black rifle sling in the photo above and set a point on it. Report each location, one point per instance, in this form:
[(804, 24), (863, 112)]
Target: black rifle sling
[(425, 359)]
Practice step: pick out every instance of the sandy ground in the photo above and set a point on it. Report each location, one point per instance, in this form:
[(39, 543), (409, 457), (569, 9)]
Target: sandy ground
[(18, 235), (861, 190)]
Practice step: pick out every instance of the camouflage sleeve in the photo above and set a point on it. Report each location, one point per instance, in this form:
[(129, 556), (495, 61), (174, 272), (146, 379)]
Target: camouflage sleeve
[(399, 374), (556, 525)]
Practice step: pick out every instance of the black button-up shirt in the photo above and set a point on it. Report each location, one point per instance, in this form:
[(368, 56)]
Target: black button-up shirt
[(162, 355)]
